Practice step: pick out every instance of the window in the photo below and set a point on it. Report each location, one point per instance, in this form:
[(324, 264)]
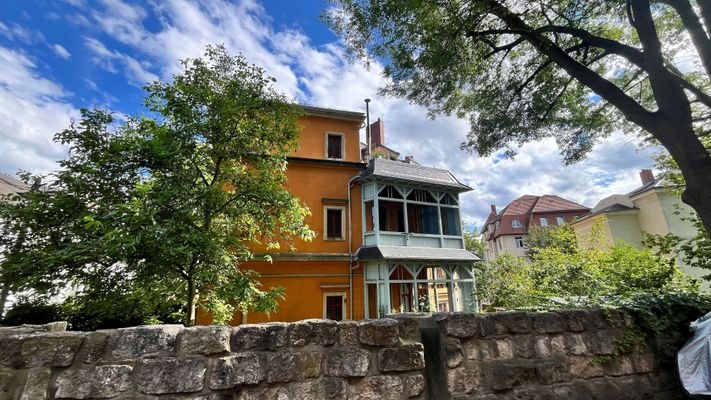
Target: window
[(519, 242), (421, 196), (560, 220), (334, 146), (422, 219), (334, 305), (334, 223), (544, 221), (391, 216), (515, 223), (450, 221)]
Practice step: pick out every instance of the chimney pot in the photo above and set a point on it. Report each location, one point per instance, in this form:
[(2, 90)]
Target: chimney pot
[(493, 208), (647, 176)]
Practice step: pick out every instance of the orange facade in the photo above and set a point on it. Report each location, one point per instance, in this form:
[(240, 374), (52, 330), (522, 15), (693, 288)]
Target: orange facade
[(319, 276)]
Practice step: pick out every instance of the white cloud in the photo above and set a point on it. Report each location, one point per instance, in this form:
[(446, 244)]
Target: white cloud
[(32, 110), (136, 71), (61, 51)]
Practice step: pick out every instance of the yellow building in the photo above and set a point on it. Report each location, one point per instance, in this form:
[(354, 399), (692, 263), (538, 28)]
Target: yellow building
[(650, 208), (388, 232)]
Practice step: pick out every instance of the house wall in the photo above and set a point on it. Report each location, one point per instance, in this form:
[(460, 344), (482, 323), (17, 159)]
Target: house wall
[(508, 244), (674, 210), (312, 142), (652, 218), (584, 231), (625, 227)]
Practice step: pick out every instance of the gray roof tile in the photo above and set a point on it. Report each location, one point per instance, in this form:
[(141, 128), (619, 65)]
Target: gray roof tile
[(415, 253), (398, 170)]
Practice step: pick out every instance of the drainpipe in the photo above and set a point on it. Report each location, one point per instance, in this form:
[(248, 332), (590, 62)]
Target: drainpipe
[(367, 129), (350, 249)]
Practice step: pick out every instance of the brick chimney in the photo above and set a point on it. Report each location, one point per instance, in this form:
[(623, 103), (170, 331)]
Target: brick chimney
[(493, 208), (647, 176), (377, 132)]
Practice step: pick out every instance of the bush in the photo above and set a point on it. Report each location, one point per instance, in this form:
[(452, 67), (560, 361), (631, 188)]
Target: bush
[(32, 311)]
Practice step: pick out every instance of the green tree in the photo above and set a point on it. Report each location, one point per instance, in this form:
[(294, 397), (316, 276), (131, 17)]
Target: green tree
[(570, 69), (166, 205), (560, 237), (473, 243)]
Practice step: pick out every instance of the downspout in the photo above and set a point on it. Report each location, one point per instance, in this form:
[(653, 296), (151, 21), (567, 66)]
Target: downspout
[(350, 248)]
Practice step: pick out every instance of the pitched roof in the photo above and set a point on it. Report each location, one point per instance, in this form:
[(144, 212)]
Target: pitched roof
[(415, 253), (398, 170), (616, 207), (9, 185), (656, 183), (333, 113), (553, 203)]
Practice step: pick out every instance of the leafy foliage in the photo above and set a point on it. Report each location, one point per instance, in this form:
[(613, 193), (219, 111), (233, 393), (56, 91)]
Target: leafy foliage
[(560, 237), (473, 243), (163, 209)]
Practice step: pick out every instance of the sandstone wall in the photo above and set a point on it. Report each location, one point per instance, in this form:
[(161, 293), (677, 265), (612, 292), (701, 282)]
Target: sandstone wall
[(445, 356)]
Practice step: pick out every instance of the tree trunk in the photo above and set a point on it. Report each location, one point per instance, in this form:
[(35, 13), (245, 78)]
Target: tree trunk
[(4, 293), (192, 299)]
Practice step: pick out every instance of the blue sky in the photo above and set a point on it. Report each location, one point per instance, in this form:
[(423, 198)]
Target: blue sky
[(59, 56)]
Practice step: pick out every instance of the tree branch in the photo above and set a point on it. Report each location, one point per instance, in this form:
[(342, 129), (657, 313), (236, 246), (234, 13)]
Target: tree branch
[(696, 30)]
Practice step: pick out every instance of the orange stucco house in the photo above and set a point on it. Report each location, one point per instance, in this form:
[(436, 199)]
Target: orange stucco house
[(388, 232)]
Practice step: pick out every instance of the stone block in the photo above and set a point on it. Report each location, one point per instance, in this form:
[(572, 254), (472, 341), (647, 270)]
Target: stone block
[(410, 357), (102, 381), (643, 362), (9, 383), (56, 349), (171, 375), (205, 340), (553, 370), (348, 333), (377, 387), (480, 350), (488, 326), (463, 379), (409, 324), (95, 346), (37, 384), (272, 393), (534, 393), (503, 349), (270, 336), (287, 366), (557, 344), (542, 347), (322, 332), (548, 322), (453, 353), (347, 362), (236, 370), (524, 346), (585, 367), (503, 375), (578, 320), (414, 385), (458, 324), (576, 344), (379, 332), (618, 366), (603, 389), (326, 389), (513, 322), (132, 343), (601, 342)]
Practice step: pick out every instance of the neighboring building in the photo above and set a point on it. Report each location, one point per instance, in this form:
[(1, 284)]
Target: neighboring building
[(388, 233), (650, 208), (10, 185), (506, 232)]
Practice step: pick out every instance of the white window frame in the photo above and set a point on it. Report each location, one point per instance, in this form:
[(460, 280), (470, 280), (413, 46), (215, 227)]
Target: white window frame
[(560, 220), (544, 221), (519, 241), (325, 222), (343, 145), (516, 223), (343, 304)]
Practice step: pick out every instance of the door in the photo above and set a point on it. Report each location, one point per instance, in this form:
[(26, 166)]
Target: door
[(334, 306)]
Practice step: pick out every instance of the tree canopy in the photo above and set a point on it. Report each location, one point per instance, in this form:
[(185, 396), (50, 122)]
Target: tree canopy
[(165, 205), (575, 70)]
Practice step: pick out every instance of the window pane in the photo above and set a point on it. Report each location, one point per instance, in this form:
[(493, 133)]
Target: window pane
[(421, 195), (422, 219), (335, 146), (391, 192), (544, 221), (333, 223), (450, 221), (560, 220), (390, 216), (334, 307)]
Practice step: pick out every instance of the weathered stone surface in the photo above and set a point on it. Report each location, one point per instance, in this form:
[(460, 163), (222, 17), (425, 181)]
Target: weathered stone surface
[(524, 346), (534, 393), (414, 385), (557, 344), (56, 349), (576, 344), (502, 375), (348, 333), (410, 357), (409, 325), (95, 346), (553, 370), (103, 381), (27, 329), (287, 366), (378, 387), (37, 384), (463, 380), (273, 393), (578, 320), (621, 365), (453, 353), (323, 332), (379, 332), (205, 340), (239, 369), (549, 322), (643, 362), (326, 389), (171, 375), (504, 349), (585, 367), (514, 321), (458, 324), (271, 336), (8, 384), (479, 350), (347, 362), (601, 342), (542, 347), (131, 343)]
